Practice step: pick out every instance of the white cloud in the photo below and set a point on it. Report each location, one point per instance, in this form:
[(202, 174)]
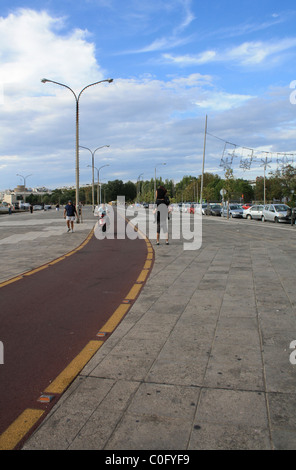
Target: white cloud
[(250, 53), (187, 59), (35, 46), (221, 101), (246, 54)]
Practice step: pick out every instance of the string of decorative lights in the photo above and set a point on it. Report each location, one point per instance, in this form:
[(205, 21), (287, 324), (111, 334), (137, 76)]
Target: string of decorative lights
[(249, 156)]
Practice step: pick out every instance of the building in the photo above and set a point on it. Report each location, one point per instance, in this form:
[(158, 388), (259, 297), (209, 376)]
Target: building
[(20, 193)]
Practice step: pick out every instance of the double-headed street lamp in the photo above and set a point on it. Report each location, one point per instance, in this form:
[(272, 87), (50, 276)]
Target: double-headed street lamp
[(24, 178), (99, 198), (45, 80), (93, 169)]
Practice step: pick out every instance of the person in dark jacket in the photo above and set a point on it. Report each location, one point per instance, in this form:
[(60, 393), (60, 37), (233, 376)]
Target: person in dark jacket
[(69, 214), (162, 202)]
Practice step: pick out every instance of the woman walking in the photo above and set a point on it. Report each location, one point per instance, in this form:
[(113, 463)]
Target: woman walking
[(162, 202)]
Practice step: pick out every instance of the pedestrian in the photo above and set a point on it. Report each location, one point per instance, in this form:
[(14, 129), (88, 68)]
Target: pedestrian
[(69, 215), (31, 208), (162, 202)]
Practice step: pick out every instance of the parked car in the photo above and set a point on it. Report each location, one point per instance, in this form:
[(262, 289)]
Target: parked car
[(204, 208), (276, 213), (235, 210), (186, 207), (246, 206), (25, 206), (37, 208), (200, 208), (175, 208), (253, 212), (213, 209), (4, 209)]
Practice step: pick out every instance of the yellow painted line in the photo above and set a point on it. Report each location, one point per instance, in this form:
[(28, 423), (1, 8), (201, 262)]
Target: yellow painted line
[(72, 370), (5, 283), (115, 319), (147, 264), (150, 256), (56, 261), (19, 428), (36, 270), (134, 291), (142, 275)]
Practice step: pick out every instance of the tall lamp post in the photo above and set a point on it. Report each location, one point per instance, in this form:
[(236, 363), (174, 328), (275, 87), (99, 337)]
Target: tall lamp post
[(99, 188), (93, 170), (138, 181), (45, 80), (155, 177), (24, 178)]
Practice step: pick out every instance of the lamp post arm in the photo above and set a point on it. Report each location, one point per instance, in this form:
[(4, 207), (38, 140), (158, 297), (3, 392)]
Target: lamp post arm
[(44, 80), (101, 148), (109, 80)]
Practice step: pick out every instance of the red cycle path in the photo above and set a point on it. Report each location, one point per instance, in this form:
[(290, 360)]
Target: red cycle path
[(47, 318)]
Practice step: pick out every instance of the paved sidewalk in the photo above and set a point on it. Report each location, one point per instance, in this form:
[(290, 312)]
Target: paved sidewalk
[(28, 241), (201, 360)]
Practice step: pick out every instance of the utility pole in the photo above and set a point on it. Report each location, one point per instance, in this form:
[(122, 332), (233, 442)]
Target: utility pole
[(203, 163)]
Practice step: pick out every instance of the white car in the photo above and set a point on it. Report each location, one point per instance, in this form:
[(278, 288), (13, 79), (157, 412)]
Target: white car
[(253, 212)]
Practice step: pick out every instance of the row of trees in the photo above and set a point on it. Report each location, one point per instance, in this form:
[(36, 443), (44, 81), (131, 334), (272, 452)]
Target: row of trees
[(280, 185)]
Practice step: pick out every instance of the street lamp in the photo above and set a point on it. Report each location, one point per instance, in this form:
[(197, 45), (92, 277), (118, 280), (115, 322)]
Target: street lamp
[(99, 188), (93, 167), (24, 178), (155, 177), (138, 181), (45, 80)]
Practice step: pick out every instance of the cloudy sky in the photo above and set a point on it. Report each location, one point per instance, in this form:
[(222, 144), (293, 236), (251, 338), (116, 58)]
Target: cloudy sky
[(173, 63)]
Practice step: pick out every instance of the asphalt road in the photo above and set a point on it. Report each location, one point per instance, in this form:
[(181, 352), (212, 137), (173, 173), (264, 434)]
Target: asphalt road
[(47, 318)]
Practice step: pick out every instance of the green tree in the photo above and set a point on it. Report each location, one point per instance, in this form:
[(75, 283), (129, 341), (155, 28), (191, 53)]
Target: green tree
[(289, 182), (130, 191), (229, 184)]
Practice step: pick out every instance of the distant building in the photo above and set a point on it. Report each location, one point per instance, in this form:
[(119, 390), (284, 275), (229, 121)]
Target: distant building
[(20, 192)]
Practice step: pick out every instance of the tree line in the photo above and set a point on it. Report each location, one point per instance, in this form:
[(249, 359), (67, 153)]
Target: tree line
[(279, 185)]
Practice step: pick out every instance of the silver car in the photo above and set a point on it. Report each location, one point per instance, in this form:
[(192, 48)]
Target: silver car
[(253, 212), (235, 210), (276, 213)]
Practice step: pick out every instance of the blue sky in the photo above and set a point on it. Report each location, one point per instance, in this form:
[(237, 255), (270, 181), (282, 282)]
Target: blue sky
[(172, 61)]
